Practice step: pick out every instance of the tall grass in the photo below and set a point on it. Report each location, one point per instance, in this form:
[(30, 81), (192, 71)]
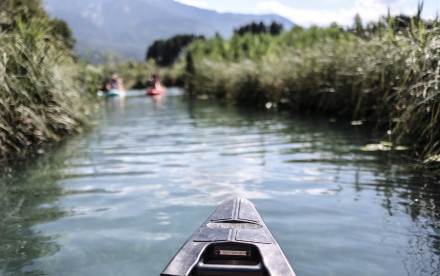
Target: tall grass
[(40, 100), (390, 79), (417, 101)]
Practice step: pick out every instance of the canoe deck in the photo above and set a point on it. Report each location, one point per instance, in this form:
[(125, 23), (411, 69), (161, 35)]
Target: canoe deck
[(234, 240)]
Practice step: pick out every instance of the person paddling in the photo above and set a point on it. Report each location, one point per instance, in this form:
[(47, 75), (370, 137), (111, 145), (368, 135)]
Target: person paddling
[(116, 83), (154, 83), (155, 87)]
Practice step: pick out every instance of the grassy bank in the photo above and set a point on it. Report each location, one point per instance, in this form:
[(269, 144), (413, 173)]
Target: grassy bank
[(41, 95), (389, 78), (385, 76)]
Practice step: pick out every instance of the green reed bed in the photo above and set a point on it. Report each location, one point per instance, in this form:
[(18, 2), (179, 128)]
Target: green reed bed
[(389, 79), (40, 99)]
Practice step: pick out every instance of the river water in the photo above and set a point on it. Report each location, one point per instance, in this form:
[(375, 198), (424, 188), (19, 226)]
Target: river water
[(123, 198)]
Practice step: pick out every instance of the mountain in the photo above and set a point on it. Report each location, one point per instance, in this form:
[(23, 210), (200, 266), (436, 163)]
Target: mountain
[(129, 27)]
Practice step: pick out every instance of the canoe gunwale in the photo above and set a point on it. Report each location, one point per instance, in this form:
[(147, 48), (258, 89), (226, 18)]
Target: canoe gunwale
[(234, 227)]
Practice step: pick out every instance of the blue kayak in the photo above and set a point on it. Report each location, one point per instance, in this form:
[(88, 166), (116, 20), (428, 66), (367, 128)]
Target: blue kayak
[(114, 93)]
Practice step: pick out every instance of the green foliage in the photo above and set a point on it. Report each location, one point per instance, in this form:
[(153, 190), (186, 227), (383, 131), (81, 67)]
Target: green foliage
[(135, 74), (61, 32), (40, 96), (358, 28), (189, 73), (17, 14), (12, 11), (164, 52), (39, 99), (388, 76), (260, 28), (247, 46)]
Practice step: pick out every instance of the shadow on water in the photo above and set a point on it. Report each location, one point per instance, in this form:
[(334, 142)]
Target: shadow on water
[(415, 193), (266, 147), (29, 191)]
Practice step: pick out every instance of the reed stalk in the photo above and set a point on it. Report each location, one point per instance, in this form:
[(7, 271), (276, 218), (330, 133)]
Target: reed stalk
[(39, 98)]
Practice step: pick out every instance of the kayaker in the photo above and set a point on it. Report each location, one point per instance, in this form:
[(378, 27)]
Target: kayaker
[(115, 83), (154, 83)]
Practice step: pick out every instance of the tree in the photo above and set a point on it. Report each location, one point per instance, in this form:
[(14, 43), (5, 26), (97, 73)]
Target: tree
[(16, 14), (190, 73), (61, 31), (358, 28), (260, 28), (22, 10), (275, 28), (165, 52)]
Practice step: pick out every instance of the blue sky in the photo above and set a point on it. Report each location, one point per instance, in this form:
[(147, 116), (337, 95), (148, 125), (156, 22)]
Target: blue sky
[(321, 12)]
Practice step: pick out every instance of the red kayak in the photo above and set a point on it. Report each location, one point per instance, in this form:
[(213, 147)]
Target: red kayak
[(152, 91)]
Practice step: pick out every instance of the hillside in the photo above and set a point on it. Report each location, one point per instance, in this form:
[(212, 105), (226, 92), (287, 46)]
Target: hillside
[(129, 27)]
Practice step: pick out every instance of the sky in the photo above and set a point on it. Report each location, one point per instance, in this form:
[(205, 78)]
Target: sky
[(321, 12)]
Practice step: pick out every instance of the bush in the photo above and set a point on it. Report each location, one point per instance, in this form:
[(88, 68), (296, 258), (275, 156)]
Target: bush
[(390, 79), (39, 97)]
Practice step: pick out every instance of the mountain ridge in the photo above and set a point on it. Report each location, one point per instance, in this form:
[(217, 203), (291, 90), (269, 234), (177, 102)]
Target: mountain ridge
[(129, 27)]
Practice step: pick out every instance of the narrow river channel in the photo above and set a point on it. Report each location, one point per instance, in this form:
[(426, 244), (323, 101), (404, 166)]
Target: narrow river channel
[(123, 198)]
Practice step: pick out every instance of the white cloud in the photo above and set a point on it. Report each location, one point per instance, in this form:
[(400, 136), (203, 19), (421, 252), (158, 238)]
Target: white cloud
[(195, 3), (369, 10)]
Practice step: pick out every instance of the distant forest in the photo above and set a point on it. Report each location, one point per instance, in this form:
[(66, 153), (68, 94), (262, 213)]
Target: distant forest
[(260, 28), (165, 51)]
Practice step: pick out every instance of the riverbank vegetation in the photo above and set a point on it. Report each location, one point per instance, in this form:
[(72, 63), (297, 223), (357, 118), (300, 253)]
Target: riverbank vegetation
[(385, 74), (42, 92)]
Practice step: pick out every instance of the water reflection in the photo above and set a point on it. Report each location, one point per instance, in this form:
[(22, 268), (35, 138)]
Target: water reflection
[(158, 100), (122, 200), (29, 190), (417, 196)]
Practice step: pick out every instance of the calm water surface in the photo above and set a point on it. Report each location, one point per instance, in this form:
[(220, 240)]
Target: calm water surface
[(122, 199)]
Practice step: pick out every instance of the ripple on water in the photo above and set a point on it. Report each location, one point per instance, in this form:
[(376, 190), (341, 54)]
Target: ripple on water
[(132, 191)]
